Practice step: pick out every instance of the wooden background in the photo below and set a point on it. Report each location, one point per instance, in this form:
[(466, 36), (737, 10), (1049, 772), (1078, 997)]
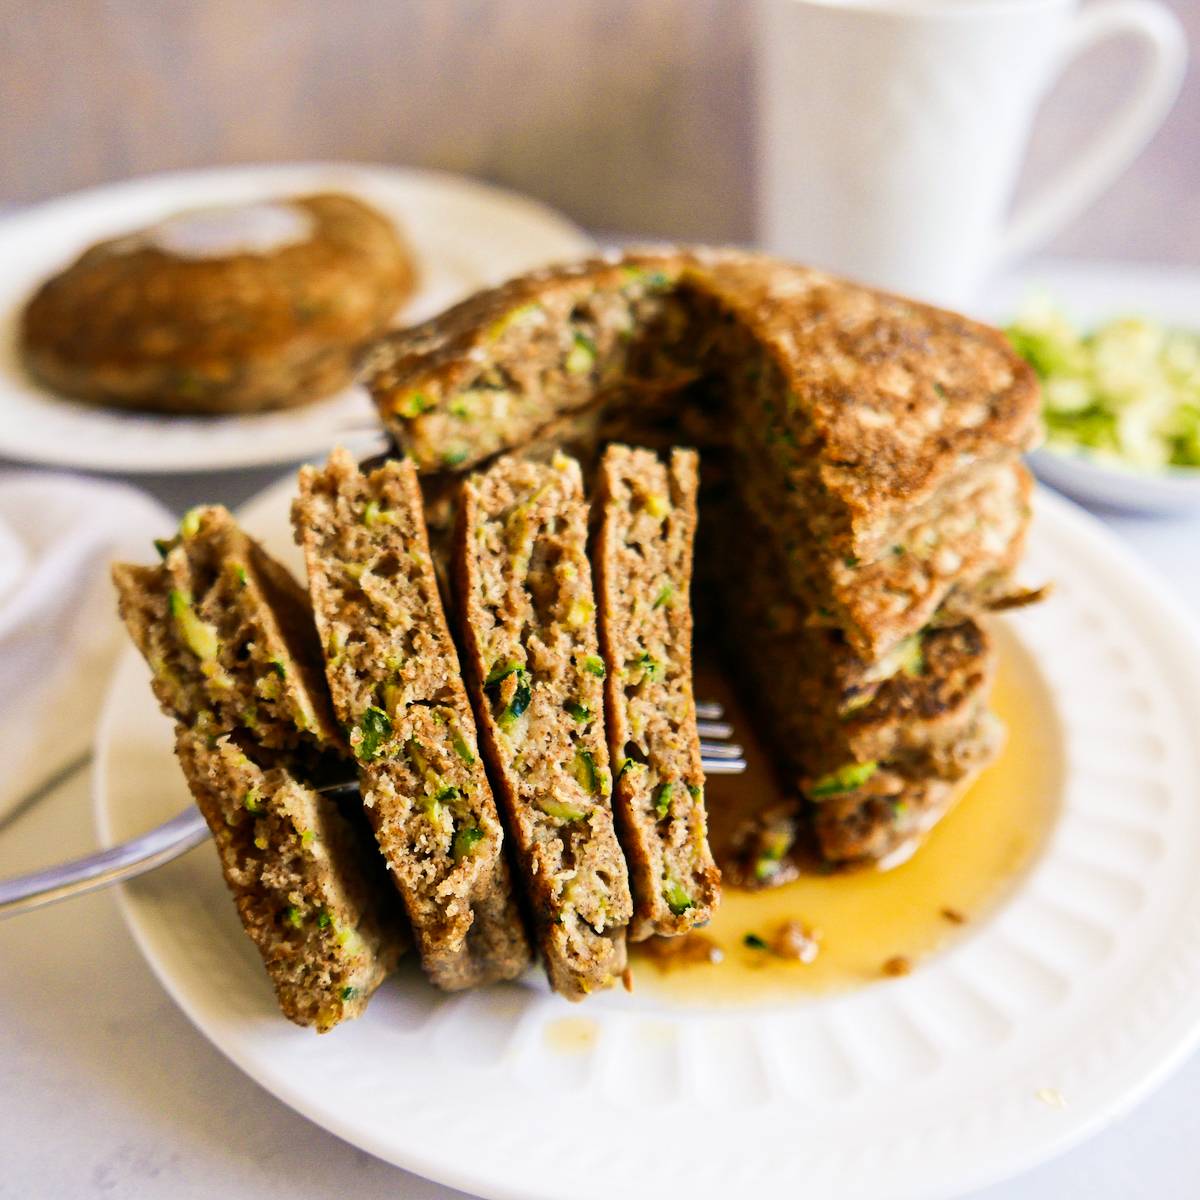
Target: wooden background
[(630, 115)]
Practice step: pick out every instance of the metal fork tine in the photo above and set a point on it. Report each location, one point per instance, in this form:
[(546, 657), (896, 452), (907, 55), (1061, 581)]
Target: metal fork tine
[(345, 789), (709, 710), (714, 729), (720, 750), (724, 766)]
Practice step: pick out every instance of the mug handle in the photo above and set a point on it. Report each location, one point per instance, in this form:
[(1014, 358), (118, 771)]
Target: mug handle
[(1109, 153)]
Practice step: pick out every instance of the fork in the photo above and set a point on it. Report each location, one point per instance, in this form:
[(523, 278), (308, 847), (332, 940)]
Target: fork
[(177, 836)]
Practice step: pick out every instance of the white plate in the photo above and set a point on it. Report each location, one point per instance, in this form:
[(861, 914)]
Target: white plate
[(1086, 982), (1090, 293), (464, 235)]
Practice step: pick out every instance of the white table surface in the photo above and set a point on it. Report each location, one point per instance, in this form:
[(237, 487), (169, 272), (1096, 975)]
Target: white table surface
[(107, 1091)]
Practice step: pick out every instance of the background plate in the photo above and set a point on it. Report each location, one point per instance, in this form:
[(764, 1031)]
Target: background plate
[(464, 235), (1048, 1019)]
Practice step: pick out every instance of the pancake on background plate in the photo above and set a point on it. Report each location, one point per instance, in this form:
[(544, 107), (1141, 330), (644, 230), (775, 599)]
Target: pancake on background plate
[(231, 309)]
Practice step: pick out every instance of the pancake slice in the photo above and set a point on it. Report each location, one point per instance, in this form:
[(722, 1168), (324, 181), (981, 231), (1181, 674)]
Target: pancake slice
[(528, 615), (394, 675), (643, 558), (229, 635)]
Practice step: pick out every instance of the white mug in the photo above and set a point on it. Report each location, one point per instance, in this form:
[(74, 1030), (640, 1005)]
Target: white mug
[(891, 132)]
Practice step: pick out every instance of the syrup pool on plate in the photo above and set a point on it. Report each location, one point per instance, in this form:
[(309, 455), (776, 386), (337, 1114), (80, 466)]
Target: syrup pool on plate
[(869, 924)]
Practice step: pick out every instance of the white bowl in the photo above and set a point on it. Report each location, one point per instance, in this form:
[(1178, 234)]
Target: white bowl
[(1107, 484), (1091, 293)]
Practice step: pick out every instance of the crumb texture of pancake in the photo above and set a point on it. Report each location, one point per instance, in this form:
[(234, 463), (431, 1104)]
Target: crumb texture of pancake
[(952, 563), (235, 661), (528, 620), (643, 562), (883, 399), (394, 675), (306, 882), (133, 323), (826, 705), (896, 804)]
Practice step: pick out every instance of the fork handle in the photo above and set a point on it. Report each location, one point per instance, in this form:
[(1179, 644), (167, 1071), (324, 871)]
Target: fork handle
[(94, 871)]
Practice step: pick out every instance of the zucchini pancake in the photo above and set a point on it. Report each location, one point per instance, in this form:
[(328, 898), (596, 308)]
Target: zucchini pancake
[(230, 309), (394, 676), (528, 619), (840, 469), (647, 524)]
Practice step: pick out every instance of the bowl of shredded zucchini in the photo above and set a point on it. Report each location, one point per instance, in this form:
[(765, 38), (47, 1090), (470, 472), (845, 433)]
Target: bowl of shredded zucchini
[(1121, 405)]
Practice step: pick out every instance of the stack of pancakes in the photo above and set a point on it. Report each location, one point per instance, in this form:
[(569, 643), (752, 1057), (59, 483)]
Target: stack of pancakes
[(863, 501)]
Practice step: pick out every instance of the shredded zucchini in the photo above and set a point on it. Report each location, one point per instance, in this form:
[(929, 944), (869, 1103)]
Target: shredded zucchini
[(1127, 391)]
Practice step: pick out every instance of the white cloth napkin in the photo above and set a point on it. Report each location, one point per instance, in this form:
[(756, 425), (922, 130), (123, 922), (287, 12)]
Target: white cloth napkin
[(59, 632)]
